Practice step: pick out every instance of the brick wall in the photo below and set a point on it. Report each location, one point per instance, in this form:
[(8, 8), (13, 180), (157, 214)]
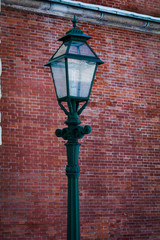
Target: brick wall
[(150, 7), (119, 160)]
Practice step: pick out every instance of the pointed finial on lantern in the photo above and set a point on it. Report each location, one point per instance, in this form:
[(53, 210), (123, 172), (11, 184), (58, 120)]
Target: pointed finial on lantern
[(74, 32), (74, 21)]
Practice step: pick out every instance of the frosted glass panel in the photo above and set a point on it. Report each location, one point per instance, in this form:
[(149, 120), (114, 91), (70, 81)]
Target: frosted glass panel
[(59, 76), (61, 50), (80, 77), (80, 48)]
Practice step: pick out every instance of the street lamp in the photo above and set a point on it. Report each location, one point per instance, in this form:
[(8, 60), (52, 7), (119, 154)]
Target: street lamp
[(73, 68)]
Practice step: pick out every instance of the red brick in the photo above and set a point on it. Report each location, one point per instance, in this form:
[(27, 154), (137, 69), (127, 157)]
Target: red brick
[(120, 169)]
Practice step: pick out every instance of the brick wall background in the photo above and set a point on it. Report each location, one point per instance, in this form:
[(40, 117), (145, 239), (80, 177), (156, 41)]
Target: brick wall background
[(119, 160), (149, 7)]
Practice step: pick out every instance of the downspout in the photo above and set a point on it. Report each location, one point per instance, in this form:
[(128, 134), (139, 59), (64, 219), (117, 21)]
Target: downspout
[(92, 13)]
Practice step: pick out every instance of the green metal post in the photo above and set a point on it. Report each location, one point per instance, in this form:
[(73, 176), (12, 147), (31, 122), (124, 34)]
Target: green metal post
[(72, 133), (72, 172)]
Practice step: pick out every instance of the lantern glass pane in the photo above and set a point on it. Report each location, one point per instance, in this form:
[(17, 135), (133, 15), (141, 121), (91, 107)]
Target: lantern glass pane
[(80, 48), (61, 50), (59, 77), (80, 77)]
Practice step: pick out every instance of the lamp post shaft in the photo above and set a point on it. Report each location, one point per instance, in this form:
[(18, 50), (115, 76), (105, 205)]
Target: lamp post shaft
[(72, 133), (72, 172)]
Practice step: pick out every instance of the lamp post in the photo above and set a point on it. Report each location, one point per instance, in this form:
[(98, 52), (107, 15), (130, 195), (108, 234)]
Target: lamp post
[(73, 68)]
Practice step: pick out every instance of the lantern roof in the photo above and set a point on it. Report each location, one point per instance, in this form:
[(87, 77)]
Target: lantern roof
[(74, 33), (75, 46)]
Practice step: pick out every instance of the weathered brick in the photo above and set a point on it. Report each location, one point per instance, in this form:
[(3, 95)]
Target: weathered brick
[(120, 170)]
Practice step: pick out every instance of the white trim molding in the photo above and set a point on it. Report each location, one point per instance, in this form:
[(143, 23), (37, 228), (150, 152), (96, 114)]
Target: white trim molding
[(92, 13)]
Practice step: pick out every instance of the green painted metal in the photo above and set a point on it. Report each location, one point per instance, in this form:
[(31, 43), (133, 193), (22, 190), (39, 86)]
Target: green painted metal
[(74, 34), (73, 56), (74, 21), (73, 131)]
